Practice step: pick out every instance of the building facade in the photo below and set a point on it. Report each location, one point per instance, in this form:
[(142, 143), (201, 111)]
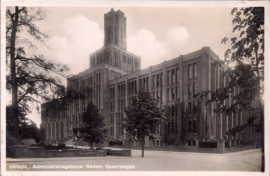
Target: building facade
[(115, 76)]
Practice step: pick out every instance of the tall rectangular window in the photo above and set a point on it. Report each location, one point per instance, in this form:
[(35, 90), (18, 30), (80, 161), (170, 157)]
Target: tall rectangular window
[(176, 92), (189, 89), (173, 110), (169, 77), (168, 94), (172, 127), (194, 107), (173, 93), (195, 70), (89, 80), (173, 76), (177, 75), (154, 81), (129, 60), (189, 107), (189, 71), (194, 88), (97, 77), (161, 78), (136, 65), (82, 83), (194, 126), (221, 79), (189, 126), (157, 80)]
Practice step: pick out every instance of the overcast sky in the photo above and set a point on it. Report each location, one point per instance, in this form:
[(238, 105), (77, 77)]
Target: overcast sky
[(156, 34)]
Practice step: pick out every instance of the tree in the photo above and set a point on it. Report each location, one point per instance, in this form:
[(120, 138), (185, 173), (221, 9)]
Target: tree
[(143, 118), (245, 63), (27, 128), (93, 125), (29, 78)]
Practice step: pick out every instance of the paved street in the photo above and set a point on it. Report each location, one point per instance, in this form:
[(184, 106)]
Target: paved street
[(249, 160)]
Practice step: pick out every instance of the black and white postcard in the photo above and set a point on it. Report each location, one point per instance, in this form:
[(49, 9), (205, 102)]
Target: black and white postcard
[(143, 87)]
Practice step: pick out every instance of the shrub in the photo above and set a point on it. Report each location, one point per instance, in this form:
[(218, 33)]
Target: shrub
[(208, 144), (60, 146), (117, 142)]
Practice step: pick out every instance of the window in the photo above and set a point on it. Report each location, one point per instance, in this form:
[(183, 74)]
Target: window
[(124, 59), (194, 107), (169, 77), (158, 129), (172, 110), (82, 83), (176, 92), (194, 88), (99, 59), (169, 127), (189, 89), (89, 80), (189, 71), (168, 94), (189, 107), (116, 58), (172, 129), (157, 96), (77, 85), (92, 61), (161, 77), (189, 126), (154, 81), (177, 75), (195, 126), (221, 79), (173, 76), (107, 55), (136, 65), (161, 95), (129, 60), (173, 93), (195, 70), (97, 77), (157, 80), (169, 110)]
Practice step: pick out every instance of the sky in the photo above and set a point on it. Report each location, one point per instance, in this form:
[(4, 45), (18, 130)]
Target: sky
[(155, 34)]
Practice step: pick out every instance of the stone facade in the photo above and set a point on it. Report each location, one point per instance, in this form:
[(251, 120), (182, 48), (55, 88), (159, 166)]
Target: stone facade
[(115, 76)]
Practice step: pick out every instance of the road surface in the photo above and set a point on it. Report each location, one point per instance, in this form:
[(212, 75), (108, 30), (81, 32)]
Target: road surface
[(249, 160)]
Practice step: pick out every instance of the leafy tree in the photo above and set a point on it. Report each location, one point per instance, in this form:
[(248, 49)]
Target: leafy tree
[(29, 78), (245, 63), (42, 134), (143, 118), (27, 128), (93, 125)]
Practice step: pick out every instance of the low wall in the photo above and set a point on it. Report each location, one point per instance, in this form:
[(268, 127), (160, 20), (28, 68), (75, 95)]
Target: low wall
[(239, 148), (195, 149), (126, 153), (17, 151), (62, 153), (39, 152), (93, 153), (33, 152)]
